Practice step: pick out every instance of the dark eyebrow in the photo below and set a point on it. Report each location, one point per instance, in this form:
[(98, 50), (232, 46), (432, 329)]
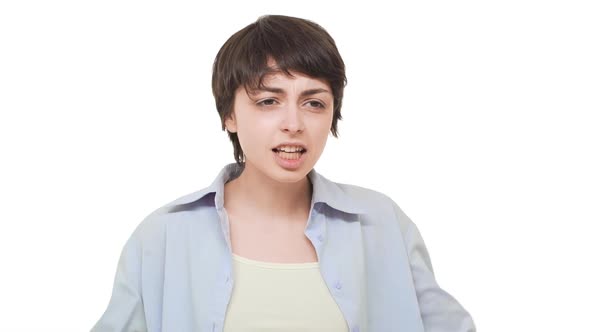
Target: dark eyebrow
[(281, 91)]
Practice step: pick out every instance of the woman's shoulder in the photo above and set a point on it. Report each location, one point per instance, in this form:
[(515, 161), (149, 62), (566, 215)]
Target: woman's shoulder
[(376, 205), (175, 212), (371, 200)]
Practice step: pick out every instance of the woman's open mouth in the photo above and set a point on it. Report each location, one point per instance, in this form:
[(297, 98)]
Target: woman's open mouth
[(289, 155), (290, 159)]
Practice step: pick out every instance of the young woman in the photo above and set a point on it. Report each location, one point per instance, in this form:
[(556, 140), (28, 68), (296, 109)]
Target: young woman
[(272, 245)]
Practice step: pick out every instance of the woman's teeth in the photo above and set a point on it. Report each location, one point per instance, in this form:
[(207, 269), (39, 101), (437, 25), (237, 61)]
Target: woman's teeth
[(290, 149), (290, 155)]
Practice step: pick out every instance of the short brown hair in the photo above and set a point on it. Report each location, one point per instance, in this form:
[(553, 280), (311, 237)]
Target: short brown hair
[(294, 44)]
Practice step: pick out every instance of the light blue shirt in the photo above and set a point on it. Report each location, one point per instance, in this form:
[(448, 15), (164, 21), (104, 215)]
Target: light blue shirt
[(175, 271)]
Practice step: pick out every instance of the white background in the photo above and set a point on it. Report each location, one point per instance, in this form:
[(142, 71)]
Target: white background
[(472, 116)]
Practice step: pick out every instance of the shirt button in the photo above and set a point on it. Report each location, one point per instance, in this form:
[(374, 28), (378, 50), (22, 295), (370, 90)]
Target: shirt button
[(320, 238), (355, 329), (338, 285), (227, 279)]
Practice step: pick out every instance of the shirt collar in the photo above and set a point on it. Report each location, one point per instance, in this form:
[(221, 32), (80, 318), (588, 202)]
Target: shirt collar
[(324, 190)]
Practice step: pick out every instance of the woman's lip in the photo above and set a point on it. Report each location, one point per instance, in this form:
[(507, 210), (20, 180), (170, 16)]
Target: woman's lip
[(291, 164), (277, 149), (291, 144)]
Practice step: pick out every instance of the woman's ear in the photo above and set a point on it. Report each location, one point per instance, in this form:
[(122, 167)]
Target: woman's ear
[(230, 123)]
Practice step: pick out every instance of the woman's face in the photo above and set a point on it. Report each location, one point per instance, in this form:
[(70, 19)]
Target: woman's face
[(296, 110)]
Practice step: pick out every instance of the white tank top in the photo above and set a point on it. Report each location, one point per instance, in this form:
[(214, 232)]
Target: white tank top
[(281, 297)]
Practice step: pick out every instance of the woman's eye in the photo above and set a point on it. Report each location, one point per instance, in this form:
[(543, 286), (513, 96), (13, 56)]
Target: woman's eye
[(316, 104), (271, 102), (267, 102)]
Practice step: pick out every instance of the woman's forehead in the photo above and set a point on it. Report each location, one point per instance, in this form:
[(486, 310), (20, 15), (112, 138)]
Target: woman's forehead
[(278, 77)]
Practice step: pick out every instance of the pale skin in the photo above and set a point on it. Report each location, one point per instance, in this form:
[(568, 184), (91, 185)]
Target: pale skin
[(268, 206)]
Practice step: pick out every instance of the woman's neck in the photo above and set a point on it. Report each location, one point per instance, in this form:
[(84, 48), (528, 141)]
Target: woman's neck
[(254, 193)]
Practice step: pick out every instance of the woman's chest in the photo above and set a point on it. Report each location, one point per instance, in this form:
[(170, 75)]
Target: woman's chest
[(279, 243)]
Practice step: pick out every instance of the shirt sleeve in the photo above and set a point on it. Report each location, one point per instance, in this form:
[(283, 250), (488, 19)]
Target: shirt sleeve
[(440, 311), (125, 311)]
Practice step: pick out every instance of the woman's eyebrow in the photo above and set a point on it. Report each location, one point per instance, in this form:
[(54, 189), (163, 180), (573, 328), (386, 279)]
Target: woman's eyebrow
[(308, 92)]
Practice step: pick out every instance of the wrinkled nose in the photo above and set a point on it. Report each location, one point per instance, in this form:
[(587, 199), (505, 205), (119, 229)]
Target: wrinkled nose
[(292, 120)]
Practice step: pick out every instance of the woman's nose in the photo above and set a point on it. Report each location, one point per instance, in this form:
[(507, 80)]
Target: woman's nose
[(292, 120)]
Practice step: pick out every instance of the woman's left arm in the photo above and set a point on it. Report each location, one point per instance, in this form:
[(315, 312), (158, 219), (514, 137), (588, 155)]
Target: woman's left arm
[(440, 311)]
